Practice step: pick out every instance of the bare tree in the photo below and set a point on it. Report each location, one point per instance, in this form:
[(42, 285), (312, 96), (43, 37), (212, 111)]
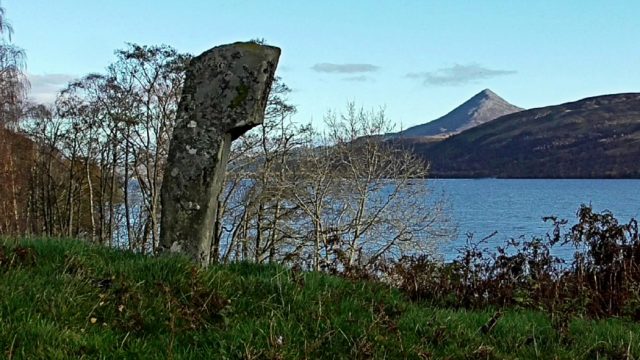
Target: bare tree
[(344, 198), (362, 197), (13, 81), (84, 110), (149, 81), (120, 123), (15, 150), (251, 209), (45, 185)]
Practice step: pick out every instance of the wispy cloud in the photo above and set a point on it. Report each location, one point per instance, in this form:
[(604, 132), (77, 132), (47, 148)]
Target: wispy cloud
[(45, 87), (458, 75), (359, 78), (344, 68)]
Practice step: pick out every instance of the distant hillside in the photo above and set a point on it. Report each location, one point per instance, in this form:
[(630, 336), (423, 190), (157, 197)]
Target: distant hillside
[(597, 137), (481, 108), (17, 154)]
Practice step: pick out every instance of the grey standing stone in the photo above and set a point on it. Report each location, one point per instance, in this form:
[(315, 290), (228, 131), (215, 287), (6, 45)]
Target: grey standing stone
[(225, 94)]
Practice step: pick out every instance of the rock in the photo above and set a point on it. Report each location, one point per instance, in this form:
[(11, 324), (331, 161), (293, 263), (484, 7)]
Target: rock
[(224, 95)]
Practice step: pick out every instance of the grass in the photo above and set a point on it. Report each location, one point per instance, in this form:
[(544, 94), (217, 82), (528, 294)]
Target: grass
[(62, 299)]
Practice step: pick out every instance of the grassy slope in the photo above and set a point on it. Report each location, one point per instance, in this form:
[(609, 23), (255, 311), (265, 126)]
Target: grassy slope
[(64, 299)]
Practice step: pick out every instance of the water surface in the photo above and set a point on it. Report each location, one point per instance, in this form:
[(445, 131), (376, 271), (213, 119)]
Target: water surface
[(516, 207)]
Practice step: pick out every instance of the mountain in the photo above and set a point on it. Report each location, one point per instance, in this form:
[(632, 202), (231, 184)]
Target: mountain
[(597, 137), (481, 108)]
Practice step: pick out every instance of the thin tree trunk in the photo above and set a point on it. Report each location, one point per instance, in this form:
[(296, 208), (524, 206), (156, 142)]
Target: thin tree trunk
[(70, 194), (114, 167), (14, 192), (91, 200), (274, 231), (217, 233), (126, 195), (259, 231)]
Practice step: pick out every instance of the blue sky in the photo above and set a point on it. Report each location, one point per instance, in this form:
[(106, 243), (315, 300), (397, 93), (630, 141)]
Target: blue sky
[(418, 59)]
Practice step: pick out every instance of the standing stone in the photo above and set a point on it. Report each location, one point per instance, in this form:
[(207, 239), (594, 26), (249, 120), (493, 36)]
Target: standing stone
[(224, 95)]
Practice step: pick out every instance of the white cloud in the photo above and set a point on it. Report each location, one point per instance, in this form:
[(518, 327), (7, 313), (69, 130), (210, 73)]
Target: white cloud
[(45, 87), (344, 68), (359, 78), (458, 75)]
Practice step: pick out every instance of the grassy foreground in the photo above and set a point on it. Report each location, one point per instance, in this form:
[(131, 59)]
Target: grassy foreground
[(65, 299)]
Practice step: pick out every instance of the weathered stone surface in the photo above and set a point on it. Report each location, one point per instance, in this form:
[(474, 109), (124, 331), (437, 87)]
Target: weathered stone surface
[(225, 94)]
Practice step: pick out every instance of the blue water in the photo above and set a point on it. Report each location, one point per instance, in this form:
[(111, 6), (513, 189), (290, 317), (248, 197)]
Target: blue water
[(516, 207)]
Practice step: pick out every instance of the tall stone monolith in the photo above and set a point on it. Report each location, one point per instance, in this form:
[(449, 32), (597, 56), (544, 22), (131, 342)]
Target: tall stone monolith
[(224, 95)]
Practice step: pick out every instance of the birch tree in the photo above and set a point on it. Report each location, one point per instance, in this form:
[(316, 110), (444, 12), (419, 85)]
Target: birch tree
[(337, 199), (15, 150), (13, 81)]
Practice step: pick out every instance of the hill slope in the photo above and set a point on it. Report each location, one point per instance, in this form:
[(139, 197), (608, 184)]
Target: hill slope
[(17, 159), (597, 137), (481, 108)]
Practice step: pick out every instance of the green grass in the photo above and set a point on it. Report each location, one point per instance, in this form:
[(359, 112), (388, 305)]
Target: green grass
[(65, 299)]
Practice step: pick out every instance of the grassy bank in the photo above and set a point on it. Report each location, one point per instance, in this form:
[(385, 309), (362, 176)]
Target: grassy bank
[(65, 299)]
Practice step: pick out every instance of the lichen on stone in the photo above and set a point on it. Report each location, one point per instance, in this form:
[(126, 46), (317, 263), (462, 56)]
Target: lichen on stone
[(242, 91), (224, 95)]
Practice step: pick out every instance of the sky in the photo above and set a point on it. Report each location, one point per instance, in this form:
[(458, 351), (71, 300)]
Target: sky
[(416, 59)]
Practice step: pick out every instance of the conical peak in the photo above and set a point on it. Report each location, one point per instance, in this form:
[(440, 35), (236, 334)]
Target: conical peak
[(487, 94), (484, 98), (482, 107)]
